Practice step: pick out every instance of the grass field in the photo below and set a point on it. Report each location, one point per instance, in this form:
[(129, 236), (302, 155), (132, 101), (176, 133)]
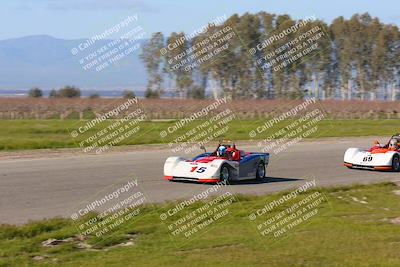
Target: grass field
[(36, 134), (354, 227)]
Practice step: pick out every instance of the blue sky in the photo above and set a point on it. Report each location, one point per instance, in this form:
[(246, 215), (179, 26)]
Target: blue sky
[(72, 19)]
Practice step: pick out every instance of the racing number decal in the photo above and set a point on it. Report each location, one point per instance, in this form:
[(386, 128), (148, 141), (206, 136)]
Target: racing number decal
[(369, 158), (199, 170)]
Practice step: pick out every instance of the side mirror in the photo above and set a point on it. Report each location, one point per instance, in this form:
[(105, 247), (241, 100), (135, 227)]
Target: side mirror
[(204, 148)]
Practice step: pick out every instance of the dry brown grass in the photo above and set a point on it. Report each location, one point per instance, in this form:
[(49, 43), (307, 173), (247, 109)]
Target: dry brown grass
[(30, 108)]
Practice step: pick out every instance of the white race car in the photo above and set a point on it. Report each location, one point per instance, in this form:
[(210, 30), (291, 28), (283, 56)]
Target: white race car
[(230, 165), (379, 157)]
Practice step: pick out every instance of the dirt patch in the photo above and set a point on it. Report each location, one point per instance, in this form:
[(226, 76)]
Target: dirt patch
[(221, 247), (80, 242), (359, 200), (395, 220), (44, 257)]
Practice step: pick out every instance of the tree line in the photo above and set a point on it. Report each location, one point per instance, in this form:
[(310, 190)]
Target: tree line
[(65, 92), (358, 58), (72, 92)]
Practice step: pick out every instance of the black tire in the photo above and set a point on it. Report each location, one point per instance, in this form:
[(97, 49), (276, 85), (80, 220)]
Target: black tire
[(260, 172), (396, 163), (225, 173)]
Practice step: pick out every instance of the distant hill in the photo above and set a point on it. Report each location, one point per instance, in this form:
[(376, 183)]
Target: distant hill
[(47, 62)]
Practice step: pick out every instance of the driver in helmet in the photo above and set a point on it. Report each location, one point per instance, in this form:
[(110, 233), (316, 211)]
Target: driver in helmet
[(221, 151), (393, 144)]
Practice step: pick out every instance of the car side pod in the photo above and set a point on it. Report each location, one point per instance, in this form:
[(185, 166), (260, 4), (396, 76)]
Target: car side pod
[(206, 181), (209, 181), (383, 168), (375, 168)]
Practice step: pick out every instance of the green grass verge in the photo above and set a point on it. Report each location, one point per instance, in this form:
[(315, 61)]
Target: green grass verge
[(36, 134), (345, 232)]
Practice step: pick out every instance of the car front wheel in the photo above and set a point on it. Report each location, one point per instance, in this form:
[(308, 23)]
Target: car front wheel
[(396, 163), (225, 174), (260, 174)]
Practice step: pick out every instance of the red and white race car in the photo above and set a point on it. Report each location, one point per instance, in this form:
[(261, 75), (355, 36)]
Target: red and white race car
[(379, 157), (225, 164)]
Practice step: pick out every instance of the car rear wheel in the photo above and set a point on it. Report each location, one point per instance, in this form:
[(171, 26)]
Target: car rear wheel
[(396, 163), (260, 174), (225, 174)]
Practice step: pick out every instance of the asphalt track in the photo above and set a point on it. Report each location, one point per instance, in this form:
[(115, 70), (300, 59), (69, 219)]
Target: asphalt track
[(45, 187)]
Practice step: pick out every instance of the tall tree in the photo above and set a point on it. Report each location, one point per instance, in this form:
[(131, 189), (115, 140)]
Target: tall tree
[(151, 56), (178, 61)]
